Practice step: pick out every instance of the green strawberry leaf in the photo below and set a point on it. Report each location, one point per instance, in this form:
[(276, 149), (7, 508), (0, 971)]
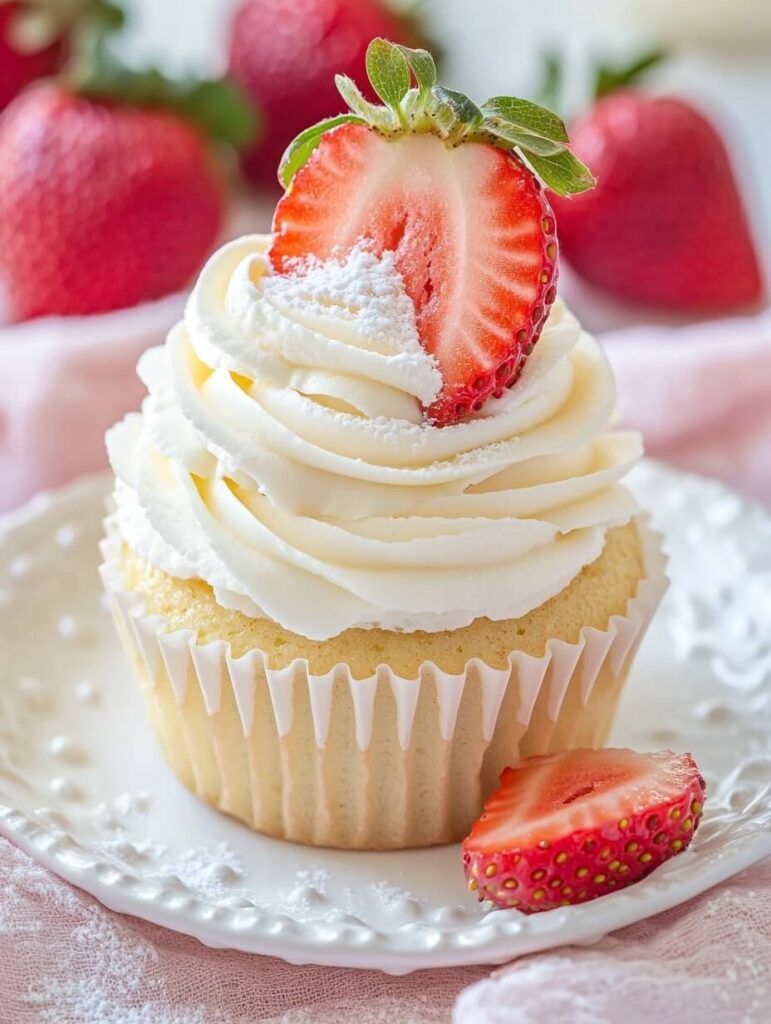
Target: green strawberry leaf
[(506, 121), (371, 112), (423, 68), (610, 78), (220, 110), (389, 73), (411, 18), (532, 143), (299, 150), (442, 115), (527, 116), (562, 173), (463, 111)]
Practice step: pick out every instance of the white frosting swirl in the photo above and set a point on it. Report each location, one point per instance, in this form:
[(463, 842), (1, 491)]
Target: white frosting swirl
[(281, 457)]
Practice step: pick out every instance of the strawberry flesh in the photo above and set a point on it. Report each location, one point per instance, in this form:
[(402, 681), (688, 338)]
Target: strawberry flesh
[(569, 827), (473, 236)]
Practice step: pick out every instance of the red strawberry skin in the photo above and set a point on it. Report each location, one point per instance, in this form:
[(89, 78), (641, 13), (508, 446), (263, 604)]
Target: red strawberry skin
[(665, 225), (285, 54), (101, 206), (567, 828), (17, 70), (474, 242)]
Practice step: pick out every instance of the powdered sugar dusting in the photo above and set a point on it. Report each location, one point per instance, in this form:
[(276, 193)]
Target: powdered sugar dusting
[(387, 894), (317, 877), (211, 872), (362, 290), (216, 872)]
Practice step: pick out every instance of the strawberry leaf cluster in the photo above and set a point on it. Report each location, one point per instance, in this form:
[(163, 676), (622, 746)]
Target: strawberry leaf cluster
[(425, 106)]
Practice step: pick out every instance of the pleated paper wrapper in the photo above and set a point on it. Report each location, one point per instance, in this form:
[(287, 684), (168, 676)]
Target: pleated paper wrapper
[(383, 762)]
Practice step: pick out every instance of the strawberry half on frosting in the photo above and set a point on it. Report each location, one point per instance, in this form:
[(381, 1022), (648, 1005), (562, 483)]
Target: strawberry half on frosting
[(444, 185)]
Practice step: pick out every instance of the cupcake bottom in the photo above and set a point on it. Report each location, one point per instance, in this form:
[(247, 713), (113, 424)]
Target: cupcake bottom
[(377, 740)]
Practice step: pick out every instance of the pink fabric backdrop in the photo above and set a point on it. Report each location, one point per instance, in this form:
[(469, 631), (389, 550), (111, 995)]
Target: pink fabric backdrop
[(66, 960), (702, 396), (63, 382)]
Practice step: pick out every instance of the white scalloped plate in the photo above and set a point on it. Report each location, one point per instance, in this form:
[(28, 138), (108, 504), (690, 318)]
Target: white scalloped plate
[(84, 790)]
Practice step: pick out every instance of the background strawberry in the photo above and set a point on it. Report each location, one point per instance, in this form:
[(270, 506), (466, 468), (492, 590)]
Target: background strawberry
[(285, 54), (471, 228), (569, 827), (100, 206), (665, 225), (108, 191)]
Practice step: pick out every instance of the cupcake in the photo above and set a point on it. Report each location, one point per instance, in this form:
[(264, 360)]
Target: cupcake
[(369, 543)]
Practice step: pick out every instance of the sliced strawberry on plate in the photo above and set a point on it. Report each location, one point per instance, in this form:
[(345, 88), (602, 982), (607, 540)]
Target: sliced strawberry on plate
[(569, 827), (435, 179)]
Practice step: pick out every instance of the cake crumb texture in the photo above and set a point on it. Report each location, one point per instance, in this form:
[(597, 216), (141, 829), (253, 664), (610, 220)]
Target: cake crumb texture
[(601, 590)]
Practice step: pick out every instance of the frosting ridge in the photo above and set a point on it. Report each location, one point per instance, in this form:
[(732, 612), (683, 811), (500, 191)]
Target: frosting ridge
[(282, 457)]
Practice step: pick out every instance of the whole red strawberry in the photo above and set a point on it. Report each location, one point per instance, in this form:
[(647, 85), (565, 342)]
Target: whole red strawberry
[(18, 66), (566, 828), (285, 54), (665, 225), (101, 205)]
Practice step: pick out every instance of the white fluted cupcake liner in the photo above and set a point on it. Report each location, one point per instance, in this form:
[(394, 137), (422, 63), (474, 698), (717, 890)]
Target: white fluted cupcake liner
[(380, 762)]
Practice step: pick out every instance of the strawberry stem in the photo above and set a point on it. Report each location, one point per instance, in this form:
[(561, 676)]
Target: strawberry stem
[(610, 78)]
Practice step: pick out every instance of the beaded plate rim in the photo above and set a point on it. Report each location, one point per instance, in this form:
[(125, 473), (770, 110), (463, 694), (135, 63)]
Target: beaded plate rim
[(736, 831)]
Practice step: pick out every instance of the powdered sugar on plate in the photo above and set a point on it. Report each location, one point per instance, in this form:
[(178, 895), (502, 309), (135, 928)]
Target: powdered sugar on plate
[(216, 872), (210, 872), (385, 893)]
